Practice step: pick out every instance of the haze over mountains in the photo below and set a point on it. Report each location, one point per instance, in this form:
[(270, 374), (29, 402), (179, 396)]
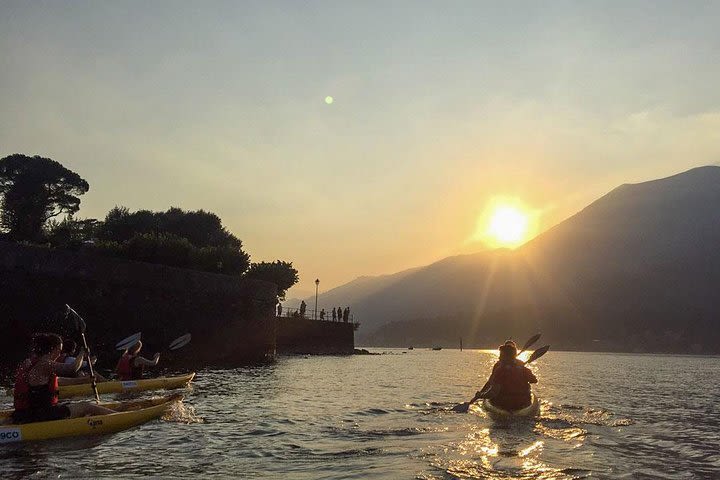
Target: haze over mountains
[(637, 270)]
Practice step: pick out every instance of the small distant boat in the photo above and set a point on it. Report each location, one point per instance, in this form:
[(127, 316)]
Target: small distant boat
[(437, 348), (410, 348)]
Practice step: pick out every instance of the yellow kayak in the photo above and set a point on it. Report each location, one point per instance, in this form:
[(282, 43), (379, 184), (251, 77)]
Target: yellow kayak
[(161, 383), (501, 414), (129, 414)]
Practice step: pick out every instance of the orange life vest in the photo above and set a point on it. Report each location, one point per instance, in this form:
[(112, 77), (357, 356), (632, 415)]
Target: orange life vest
[(28, 397), (126, 370)]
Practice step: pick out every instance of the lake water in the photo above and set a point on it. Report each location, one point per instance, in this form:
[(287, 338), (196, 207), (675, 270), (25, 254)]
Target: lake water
[(388, 416)]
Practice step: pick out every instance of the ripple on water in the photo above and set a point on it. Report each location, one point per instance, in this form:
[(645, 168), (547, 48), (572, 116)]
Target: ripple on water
[(603, 416)]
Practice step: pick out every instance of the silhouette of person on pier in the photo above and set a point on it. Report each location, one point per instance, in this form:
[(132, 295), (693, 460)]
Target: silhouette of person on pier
[(340, 314), (303, 307), (279, 310), (334, 315), (346, 314), (322, 314)]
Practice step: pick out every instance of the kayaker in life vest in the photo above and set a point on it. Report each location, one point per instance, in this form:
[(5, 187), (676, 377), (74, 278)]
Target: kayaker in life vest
[(511, 380), (37, 384), (131, 364)]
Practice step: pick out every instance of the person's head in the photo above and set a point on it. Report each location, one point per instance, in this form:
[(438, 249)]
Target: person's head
[(47, 344), (508, 351), (69, 347), (135, 349)]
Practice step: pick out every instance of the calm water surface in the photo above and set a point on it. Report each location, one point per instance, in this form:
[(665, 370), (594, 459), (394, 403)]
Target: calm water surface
[(387, 416)]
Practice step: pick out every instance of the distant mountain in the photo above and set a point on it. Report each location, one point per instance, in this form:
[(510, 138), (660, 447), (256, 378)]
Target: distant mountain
[(354, 292), (637, 270)]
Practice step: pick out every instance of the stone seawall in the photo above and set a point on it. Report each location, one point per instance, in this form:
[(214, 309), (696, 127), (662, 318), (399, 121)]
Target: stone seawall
[(231, 319), (304, 336)]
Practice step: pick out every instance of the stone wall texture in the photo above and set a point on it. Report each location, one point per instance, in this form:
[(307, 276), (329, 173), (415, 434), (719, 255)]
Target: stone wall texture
[(231, 319)]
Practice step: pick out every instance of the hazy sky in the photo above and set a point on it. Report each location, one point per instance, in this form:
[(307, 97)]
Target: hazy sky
[(439, 107)]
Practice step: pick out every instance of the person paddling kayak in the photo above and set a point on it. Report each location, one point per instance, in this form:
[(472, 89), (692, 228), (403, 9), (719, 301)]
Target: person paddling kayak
[(37, 384), (131, 364), (511, 380), (68, 357)]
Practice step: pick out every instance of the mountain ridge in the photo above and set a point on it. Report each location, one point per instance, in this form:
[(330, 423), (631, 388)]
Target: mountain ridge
[(634, 270)]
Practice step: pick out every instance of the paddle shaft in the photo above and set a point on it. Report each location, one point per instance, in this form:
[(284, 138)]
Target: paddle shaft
[(87, 353), (92, 370)]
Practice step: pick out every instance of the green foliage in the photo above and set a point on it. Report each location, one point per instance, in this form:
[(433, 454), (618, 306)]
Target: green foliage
[(70, 232), (201, 228), (176, 237), (34, 190), (278, 272)]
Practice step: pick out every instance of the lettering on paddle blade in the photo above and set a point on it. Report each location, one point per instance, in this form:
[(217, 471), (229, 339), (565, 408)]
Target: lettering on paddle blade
[(129, 384), (94, 423), (9, 435)]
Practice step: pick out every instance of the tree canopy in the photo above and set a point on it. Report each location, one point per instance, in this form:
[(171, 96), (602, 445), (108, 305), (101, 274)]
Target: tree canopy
[(278, 272), (34, 190), (189, 239)]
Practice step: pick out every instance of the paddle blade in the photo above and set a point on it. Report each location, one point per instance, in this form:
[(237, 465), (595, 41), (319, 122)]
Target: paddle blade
[(128, 342), (538, 353), (180, 342), (79, 322), (461, 407), (530, 342)]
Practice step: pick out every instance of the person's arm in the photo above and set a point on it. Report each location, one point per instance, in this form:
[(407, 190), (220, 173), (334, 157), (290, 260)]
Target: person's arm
[(493, 375), (48, 368), (530, 376), (145, 362), (488, 385), (69, 368)]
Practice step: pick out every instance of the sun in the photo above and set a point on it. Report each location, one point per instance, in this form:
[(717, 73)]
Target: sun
[(508, 225), (505, 223)]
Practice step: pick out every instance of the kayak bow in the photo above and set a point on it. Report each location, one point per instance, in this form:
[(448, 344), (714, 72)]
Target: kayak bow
[(129, 414), (161, 383)]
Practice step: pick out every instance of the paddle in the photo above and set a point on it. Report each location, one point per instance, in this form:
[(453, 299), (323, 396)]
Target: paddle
[(531, 341), (81, 327), (128, 342), (180, 342), (537, 354), (176, 344)]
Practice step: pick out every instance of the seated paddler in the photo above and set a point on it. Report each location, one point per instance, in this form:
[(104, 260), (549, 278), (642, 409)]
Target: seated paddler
[(509, 383), (131, 364), (38, 381)]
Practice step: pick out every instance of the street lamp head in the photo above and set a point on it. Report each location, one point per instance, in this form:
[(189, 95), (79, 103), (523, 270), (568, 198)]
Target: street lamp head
[(317, 281)]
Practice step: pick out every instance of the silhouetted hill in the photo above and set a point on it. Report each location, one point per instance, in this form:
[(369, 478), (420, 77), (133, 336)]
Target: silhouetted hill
[(354, 292), (637, 270)]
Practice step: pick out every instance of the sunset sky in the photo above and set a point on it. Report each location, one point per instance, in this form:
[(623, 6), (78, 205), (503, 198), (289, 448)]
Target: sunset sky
[(439, 109)]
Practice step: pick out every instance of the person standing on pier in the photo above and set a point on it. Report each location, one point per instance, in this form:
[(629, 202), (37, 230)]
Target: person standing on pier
[(346, 314), (303, 307), (334, 317), (340, 314), (322, 314), (279, 310)]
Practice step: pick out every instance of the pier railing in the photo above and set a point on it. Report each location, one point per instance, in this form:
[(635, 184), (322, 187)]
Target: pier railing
[(319, 315)]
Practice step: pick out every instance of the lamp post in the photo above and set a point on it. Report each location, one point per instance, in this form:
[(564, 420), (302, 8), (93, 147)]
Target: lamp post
[(317, 284)]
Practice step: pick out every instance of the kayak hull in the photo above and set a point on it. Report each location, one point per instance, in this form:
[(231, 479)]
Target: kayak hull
[(162, 383), (129, 414), (498, 413)]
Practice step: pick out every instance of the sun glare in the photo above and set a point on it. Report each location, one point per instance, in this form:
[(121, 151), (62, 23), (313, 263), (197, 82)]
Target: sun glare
[(508, 225), (505, 223)]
